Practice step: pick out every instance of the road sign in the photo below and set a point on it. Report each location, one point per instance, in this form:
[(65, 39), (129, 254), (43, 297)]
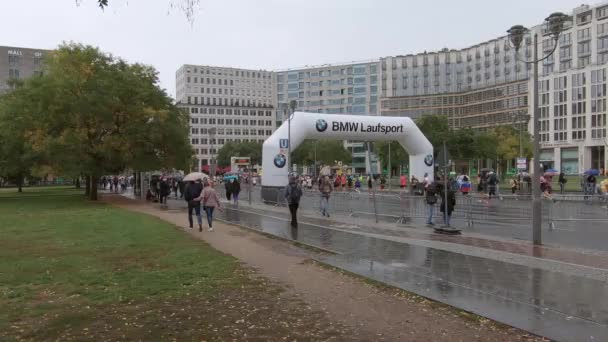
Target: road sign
[(284, 143), (522, 163)]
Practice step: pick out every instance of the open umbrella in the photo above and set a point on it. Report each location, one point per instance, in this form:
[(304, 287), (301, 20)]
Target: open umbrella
[(551, 172), (194, 176), (592, 172)]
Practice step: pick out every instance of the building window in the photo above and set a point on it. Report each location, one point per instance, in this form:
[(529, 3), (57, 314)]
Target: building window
[(601, 12), (584, 61), (584, 49), (583, 18)]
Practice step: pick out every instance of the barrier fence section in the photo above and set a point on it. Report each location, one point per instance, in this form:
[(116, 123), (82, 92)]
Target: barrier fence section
[(565, 210)]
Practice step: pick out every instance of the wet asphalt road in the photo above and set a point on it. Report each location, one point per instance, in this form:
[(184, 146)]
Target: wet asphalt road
[(569, 222), (547, 302), (550, 301)]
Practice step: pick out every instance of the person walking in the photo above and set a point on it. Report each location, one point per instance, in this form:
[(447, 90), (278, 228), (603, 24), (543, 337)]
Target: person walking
[(451, 203), (236, 189), (431, 200), (492, 184), (181, 185), (174, 186), (210, 201), (293, 193), (591, 181), (337, 183), (165, 190), (562, 182), (228, 188), (325, 190), (382, 182), (343, 180), (191, 195), (513, 184), (370, 183), (402, 181), (465, 186)]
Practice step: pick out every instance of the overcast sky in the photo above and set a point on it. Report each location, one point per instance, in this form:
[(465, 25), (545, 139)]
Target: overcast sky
[(265, 34)]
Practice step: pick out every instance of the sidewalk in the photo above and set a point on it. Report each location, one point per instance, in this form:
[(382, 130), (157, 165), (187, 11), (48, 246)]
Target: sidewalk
[(373, 313), (551, 292)]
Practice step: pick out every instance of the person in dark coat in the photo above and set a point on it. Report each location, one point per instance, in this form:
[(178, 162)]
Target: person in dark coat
[(164, 191), (192, 192), (235, 188), (228, 188), (182, 188), (293, 193), (451, 203)]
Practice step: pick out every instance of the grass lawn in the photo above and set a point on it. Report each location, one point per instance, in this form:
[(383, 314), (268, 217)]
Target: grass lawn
[(70, 268)]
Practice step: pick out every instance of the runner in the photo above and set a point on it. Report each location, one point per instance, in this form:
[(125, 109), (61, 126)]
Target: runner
[(293, 193)]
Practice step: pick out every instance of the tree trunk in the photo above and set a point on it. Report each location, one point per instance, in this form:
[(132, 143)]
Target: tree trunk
[(87, 185), (94, 183), (19, 183), (77, 182)]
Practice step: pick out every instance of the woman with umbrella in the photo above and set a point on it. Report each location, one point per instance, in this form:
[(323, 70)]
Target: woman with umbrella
[(590, 181), (545, 182)]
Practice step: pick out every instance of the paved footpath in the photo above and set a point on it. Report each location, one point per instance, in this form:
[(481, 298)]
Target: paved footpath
[(552, 292), (372, 313)]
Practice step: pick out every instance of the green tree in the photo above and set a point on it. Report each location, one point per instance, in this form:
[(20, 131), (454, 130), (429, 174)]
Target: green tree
[(253, 150), (398, 154), (461, 143), (17, 157), (186, 6), (435, 128), (327, 152), (97, 114)]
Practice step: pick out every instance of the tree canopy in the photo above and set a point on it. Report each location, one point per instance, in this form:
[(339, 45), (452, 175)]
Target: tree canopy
[(499, 143), (253, 150), (91, 113), (327, 152), (186, 6)]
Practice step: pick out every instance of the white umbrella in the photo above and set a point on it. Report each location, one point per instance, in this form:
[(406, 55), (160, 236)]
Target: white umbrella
[(194, 176)]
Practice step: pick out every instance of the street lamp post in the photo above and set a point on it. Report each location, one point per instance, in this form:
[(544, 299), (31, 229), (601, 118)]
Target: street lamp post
[(292, 109), (315, 166), (389, 165), (555, 24), (212, 166)]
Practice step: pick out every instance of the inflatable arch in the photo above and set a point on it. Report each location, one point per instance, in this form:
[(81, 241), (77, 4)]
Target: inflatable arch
[(275, 163)]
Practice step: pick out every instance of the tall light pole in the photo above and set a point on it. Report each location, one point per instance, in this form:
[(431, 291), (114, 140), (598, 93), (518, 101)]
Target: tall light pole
[(292, 109), (555, 24), (389, 164), (315, 166), (213, 164)]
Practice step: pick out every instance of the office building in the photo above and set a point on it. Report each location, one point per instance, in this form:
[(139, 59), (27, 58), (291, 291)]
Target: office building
[(335, 89), (225, 105), (572, 93), (479, 87), (19, 63), (487, 85)]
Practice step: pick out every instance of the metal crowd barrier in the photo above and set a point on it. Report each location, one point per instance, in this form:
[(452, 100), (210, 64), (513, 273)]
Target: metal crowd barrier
[(476, 210), (590, 208)]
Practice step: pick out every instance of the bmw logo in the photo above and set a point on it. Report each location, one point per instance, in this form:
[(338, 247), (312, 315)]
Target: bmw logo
[(321, 125), (428, 160), (280, 160)]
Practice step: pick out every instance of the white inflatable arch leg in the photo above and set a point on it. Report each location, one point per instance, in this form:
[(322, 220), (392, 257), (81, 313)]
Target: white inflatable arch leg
[(275, 163)]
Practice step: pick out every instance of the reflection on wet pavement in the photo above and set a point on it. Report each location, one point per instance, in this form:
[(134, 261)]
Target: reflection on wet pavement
[(550, 303)]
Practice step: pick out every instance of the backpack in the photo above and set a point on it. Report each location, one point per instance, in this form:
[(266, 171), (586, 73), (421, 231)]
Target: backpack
[(294, 193), (493, 180), (431, 194)]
